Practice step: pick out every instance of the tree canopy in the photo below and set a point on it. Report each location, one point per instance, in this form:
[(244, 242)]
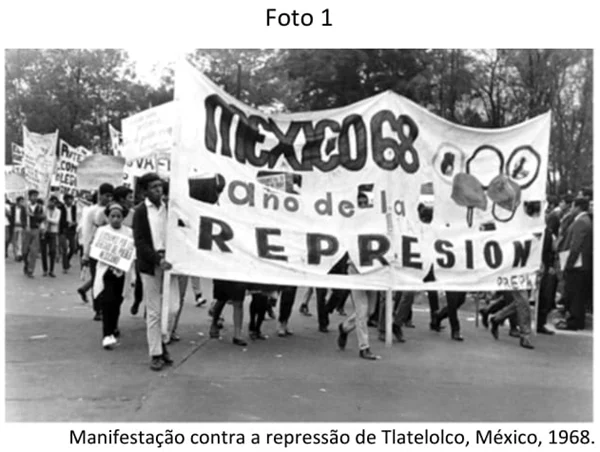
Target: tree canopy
[(81, 91)]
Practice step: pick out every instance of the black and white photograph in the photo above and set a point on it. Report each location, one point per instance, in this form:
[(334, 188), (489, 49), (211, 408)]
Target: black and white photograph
[(303, 235)]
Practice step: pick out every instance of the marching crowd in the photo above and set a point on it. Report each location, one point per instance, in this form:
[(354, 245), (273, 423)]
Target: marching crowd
[(52, 229)]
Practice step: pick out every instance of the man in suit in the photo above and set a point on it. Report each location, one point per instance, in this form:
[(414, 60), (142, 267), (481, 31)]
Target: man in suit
[(67, 230), (150, 235), (579, 265)]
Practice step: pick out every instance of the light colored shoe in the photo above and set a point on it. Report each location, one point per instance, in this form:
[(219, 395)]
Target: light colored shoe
[(109, 342)]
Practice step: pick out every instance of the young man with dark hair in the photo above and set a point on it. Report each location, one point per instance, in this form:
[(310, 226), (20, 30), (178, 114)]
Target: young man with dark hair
[(150, 235), (31, 234), (67, 231), (49, 239), (18, 220)]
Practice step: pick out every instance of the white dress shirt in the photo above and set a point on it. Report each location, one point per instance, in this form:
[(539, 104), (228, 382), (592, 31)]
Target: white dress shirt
[(157, 218), (52, 219)]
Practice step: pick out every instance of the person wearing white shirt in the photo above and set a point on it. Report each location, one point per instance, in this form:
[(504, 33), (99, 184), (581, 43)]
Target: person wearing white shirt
[(49, 239), (150, 234), (94, 218)]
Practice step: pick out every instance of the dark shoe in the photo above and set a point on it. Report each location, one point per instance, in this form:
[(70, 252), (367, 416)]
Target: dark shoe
[(157, 363), (457, 337), (83, 295), (409, 324), (135, 307), (514, 333), (342, 312), (367, 354), (45, 274), (436, 324), (436, 327), (397, 332), (544, 330), (304, 310), (30, 275), (117, 333), (214, 331), (525, 343), (565, 326), (342, 337), (98, 317), (484, 318), (323, 329), (200, 301), (494, 328), (241, 342), (166, 357), (175, 337), (52, 275)]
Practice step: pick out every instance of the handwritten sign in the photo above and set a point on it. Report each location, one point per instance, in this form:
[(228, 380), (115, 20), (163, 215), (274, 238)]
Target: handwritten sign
[(113, 249)]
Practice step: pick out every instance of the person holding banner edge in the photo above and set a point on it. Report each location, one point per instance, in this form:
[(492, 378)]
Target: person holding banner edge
[(150, 234)]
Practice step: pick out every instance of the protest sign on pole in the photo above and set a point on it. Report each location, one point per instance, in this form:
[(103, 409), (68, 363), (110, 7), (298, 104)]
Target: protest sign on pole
[(39, 159), (113, 249), (17, 154), (149, 132), (357, 176), (69, 158), (116, 140), (97, 169)]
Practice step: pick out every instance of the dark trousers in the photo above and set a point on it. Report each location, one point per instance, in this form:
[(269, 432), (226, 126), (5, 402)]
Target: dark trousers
[(578, 285), (402, 307), (258, 309), (48, 243), (454, 300), (338, 298), (95, 302), (434, 303), (68, 247), (288, 295), (324, 307), (547, 295), (110, 301)]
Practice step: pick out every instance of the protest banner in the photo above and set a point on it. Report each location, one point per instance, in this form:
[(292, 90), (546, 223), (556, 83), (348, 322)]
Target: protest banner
[(149, 132), (69, 159), (17, 154), (39, 159), (116, 140), (160, 164), (113, 249), (357, 175), (98, 169)]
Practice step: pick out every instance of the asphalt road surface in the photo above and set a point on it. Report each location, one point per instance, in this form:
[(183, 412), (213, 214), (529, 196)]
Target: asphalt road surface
[(56, 369)]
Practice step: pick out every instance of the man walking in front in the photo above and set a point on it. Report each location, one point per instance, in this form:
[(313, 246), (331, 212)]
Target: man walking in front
[(150, 235)]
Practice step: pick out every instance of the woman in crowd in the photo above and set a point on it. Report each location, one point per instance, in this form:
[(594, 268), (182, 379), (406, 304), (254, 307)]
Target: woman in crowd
[(110, 283)]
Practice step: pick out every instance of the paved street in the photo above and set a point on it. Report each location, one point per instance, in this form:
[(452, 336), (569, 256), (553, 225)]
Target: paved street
[(56, 369)]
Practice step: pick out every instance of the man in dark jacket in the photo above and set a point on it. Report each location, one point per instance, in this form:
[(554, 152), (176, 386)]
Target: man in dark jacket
[(67, 230), (150, 235), (18, 221), (579, 265), (31, 236)]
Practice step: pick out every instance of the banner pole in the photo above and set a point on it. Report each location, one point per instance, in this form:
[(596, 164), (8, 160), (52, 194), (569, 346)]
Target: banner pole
[(388, 318)]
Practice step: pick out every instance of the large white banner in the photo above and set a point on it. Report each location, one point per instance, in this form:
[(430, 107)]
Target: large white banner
[(69, 158), (303, 189), (39, 159)]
